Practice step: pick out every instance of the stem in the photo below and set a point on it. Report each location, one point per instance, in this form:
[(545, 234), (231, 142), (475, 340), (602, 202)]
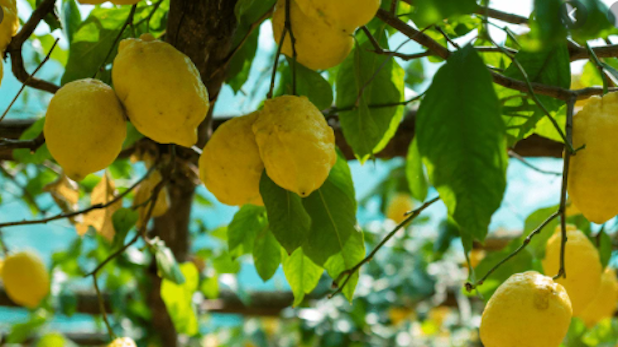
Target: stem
[(117, 39), (110, 331), (274, 74), (288, 26)]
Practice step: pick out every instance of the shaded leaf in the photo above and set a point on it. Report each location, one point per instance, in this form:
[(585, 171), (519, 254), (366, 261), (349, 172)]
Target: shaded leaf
[(248, 222), (351, 254), (123, 220), (415, 174), (266, 254)]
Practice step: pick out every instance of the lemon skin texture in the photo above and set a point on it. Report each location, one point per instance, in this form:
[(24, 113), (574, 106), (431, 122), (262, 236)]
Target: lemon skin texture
[(398, 206), (346, 14), (85, 127), (10, 23), (582, 263), (160, 89), (295, 143), (318, 45), (122, 342), (527, 310), (230, 164), (604, 304), (592, 177), (25, 278)]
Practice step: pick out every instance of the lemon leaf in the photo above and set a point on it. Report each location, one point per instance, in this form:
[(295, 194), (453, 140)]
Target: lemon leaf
[(123, 220), (415, 174), (266, 254), (166, 264), (302, 274), (242, 231), (178, 299), (350, 255)]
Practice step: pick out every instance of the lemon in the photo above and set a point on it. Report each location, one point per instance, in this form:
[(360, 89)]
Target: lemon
[(398, 315), (122, 342), (26, 280), (582, 263), (529, 310), (143, 198), (161, 90), (604, 303), (84, 127), (9, 23), (230, 165), (345, 14), (398, 206), (476, 256), (52, 340), (318, 45), (592, 177), (296, 144)]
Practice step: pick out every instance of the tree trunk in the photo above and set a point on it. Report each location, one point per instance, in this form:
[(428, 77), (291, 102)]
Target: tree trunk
[(203, 30)]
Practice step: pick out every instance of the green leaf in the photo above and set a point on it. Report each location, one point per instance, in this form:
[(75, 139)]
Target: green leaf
[(308, 83), (225, 264), (368, 126), (41, 154), (266, 254), (210, 287), (288, 220), (415, 74), (428, 12), (415, 174), (240, 65), (247, 223), (167, 267), (332, 209), (248, 11), (71, 18), (546, 26), (302, 274), (20, 332), (537, 245), (123, 220), (604, 244), (596, 24), (351, 254), (178, 299), (466, 160)]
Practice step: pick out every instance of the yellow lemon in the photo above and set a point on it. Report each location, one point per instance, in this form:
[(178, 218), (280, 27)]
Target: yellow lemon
[(84, 127), (529, 310), (476, 256), (161, 90), (398, 206), (592, 176), (9, 23), (26, 280), (143, 198), (398, 315), (582, 263), (345, 14), (318, 45), (122, 342), (230, 165), (604, 303), (296, 144)]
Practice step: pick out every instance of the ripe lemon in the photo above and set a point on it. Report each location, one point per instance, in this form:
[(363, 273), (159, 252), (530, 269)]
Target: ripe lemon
[(122, 342), (592, 177), (604, 304), (9, 24), (26, 280), (318, 45), (398, 206), (529, 310), (582, 264), (230, 165), (161, 90), (295, 143), (143, 196), (84, 127), (345, 14)]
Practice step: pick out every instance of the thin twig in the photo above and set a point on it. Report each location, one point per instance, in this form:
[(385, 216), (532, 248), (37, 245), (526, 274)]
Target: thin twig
[(110, 331), (350, 272), (128, 21), (147, 19), (276, 64), (523, 160)]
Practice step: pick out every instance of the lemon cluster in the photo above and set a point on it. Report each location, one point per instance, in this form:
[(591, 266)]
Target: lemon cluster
[(322, 29), (518, 312), (289, 138), (157, 88), (8, 28)]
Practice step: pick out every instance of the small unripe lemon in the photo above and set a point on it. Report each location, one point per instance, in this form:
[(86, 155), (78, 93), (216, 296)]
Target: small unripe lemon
[(123, 342), (528, 309), (345, 14), (398, 206), (84, 127), (230, 165), (604, 304), (52, 340), (25, 278), (296, 144), (582, 264)]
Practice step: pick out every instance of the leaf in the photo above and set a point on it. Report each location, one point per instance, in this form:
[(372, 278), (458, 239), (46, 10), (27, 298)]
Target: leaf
[(241, 62), (427, 12), (288, 220), (101, 219), (415, 74), (266, 254), (20, 332), (248, 222), (536, 218), (41, 154), (71, 18), (210, 287), (352, 253), (332, 209), (167, 267), (123, 220), (546, 26), (308, 83), (592, 22), (302, 274), (604, 244), (415, 174), (179, 300), (368, 126), (65, 193), (225, 264), (466, 160)]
